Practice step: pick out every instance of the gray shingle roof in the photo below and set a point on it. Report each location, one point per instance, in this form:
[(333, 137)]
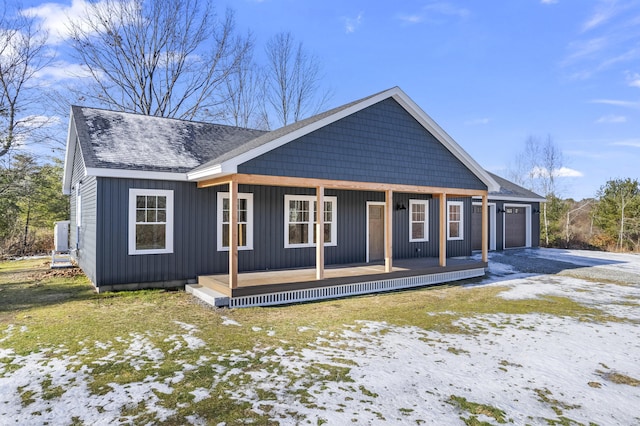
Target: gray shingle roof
[(118, 140), (510, 189)]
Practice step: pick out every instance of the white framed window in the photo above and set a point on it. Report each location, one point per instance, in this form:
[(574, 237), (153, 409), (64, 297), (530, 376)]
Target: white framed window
[(418, 220), (150, 221), (300, 219), (245, 221), (455, 220)]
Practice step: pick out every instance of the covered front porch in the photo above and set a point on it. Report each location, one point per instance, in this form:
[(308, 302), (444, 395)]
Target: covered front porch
[(322, 281)]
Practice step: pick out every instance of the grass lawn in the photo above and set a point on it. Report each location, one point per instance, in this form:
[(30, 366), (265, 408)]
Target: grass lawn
[(70, 356)]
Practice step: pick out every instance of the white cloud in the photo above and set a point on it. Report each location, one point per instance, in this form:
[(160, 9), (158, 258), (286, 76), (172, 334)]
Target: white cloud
[(633, 79), (477, 122), (411, 19), (611, 119), (433, 12), (352, 24), (616, 102), (62, 70), (605, 11), (55, 17), (538, 172), (548, 1), (634, 143)]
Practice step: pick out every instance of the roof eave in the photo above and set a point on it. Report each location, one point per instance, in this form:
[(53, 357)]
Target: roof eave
[(70, 151)]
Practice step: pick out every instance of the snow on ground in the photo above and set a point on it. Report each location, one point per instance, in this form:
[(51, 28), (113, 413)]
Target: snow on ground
[(536, 368)]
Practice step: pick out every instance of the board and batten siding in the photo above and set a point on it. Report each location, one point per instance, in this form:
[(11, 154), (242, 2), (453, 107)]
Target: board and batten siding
[(195, 233), (381, 143), (82, 236)]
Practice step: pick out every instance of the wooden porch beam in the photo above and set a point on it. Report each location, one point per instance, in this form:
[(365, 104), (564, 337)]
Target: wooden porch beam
[(388, 231), (320, 233), (249, 179), (233, 234), (443, 229), (485, 229)]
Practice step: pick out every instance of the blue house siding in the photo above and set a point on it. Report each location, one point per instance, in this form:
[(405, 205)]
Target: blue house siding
[(381, 143), (195, 233)]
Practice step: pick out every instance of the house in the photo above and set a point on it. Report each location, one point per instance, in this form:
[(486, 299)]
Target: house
[(234, 214)]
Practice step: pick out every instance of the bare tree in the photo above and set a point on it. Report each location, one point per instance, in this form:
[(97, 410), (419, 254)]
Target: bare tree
[(22, 55), (536, 168), (167, 58), (244, 95), (293, 80)]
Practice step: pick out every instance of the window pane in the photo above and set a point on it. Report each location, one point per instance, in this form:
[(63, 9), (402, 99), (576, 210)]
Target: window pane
[(298, 233), (327, 233), (417, 230), (151, 216), (162, 202), (162, 216), (151, 202), (141, 201), (150, 237), (242, 216), (454, 229), (225, 235), (141, 215), (242, 235)]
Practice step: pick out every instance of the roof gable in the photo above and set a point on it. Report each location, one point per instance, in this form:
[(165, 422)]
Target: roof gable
[(230, 161)]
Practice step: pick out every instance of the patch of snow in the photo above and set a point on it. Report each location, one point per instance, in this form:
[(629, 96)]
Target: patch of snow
[(200, 394), (229, 321), (256, 329)]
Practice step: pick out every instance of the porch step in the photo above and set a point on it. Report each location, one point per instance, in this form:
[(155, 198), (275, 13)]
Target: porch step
[(213, 284), (207, 295), (60, 260)]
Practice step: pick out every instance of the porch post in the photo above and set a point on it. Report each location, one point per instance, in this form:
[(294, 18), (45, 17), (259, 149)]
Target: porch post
[(443, 229), (485, 230), (320, 232), (388, 231), (233, 234)]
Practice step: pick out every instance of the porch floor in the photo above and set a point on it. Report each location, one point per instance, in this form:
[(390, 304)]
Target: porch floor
[(264, 282)]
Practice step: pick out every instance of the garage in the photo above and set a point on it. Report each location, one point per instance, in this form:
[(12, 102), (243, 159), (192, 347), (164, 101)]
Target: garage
[(515, 227)]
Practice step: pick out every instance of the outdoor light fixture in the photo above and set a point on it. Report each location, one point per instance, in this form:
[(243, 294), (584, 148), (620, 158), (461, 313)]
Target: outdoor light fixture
[(536, 211), (501, 210), (401, 206)]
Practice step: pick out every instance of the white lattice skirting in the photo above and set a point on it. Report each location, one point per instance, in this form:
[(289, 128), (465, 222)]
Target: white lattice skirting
[(306, 295)]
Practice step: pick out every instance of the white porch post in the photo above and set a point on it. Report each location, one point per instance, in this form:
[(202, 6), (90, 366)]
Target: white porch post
[(443, 229), (320, 232), (233, 234), (388, 231), (485, 229)]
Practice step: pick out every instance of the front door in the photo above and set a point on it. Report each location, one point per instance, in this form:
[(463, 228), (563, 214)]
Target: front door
[(375, 232)]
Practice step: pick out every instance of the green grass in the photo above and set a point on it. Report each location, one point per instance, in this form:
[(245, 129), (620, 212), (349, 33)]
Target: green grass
[(49, 311)]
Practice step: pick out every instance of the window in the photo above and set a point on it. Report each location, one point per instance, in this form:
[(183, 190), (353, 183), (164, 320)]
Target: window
[(300, 219), (245, 221), (150, 221), (418, 220), (455, 222)]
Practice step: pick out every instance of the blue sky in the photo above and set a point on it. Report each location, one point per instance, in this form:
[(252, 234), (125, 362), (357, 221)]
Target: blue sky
[(491, 74)]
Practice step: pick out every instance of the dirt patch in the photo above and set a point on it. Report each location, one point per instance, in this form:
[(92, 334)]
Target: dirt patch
[(55, 273)]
